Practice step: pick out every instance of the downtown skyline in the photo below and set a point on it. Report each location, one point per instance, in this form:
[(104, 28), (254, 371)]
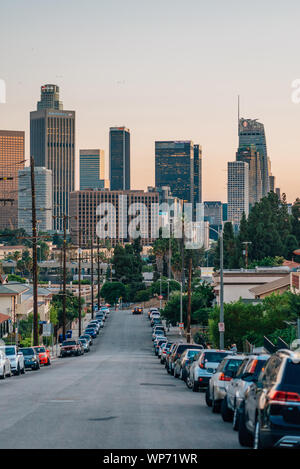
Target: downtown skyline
[(146, 92)]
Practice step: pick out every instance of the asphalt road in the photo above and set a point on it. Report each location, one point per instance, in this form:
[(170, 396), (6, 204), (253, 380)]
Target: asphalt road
[(116, 396)]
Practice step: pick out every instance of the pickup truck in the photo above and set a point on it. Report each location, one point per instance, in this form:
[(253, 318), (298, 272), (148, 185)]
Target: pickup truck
[(15, 357), (71, 347)]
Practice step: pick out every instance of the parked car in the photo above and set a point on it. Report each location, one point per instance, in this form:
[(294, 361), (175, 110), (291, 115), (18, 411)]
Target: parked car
[(15, 357), (157, 333), (31, 358), (182, 362), (93, 325), (164, 352), (85, 344), (100, 316), (218, 383), (169, 354), (71, 347), (271, 412), (151, 310), (5, 368), (203, 367), (158, 343), (177, 352), (248, 371), (44, 354), (99, 322), (137, 310), (88, 337), (158, 327), (91, 331)]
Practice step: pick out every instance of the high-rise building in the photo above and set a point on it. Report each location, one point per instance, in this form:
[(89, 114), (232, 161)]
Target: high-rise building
[(251, 156), (238, 191), (12, 155), (278, 192), (197, 175), (43, 199), (174, 167), (52, 144), (117, 213), (119, 158), (272, 183), (50, 98), (92, 169), (252, 132), (213, 215)]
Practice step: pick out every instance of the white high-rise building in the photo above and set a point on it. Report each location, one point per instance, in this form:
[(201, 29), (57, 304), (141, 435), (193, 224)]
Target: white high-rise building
[(237, 191), (43, 199)]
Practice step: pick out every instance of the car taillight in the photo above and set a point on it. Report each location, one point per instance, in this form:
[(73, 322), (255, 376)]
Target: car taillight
[(201, 365), (284, 396), (253, 366), (222, 377)]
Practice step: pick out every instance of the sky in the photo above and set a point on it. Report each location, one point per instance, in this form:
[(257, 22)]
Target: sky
[(166, 69)]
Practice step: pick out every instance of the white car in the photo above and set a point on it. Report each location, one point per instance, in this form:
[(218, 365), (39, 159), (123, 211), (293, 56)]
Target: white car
[(5, 368), (15, 357)]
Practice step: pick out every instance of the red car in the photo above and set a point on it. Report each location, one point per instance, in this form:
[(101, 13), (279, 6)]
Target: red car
[(44, 355)]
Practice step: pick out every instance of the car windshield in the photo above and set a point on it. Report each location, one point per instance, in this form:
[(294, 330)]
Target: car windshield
[(214, 357), (192, 353), (292, 374), (40, 349), (27, 351), (9, 350), (69, 342)]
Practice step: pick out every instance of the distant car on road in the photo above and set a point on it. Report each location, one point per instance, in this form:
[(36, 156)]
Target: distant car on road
[(91, 331), (15, 357), (5, 368), (44, 355), (88, 337), (137, 310), (31, 358), (85, 344), (71, 347)]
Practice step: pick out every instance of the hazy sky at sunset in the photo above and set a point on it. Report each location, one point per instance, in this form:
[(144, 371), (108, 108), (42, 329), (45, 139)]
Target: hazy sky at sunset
[(166, 69)]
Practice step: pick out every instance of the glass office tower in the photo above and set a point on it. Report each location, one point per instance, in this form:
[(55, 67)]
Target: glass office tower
[(252, 132), (119, 158), (91, 169), (52, 144), (174, 167)]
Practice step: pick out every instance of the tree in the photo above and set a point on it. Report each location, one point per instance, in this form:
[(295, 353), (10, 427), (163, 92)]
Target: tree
[(112, 291)]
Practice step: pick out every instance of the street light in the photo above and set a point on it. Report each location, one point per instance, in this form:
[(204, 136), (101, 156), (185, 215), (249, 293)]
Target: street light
[(220, 235)]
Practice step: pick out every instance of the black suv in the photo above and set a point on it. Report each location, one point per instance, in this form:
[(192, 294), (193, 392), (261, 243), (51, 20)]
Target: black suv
[(271, 413)]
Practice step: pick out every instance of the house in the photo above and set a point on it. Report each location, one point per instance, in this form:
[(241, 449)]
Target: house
[(238, 283), (278, 286)]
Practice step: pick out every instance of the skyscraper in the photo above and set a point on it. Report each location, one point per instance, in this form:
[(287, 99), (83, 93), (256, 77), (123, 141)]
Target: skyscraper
[(92, 174), (252, 132), (174, 167), (119, 158), (43, 197), (251, 156), (237, 191), (12, 157), (52, 144), (197, 174)]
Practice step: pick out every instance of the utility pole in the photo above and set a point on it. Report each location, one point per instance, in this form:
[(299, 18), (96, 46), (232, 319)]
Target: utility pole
[(92, 276), (64, 275), (98, 267), (79, 284), (34, 257), (188, 327), (246, 252), (221, 288)]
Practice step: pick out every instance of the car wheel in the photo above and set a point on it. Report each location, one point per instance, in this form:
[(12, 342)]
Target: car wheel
[(23, 371), (3, 376), (245, 437), (18, 371), (188, 382), (225, 411), (257, 441), (48, 362), (180, 374), (207, 398), (235, 421), (215, 406)]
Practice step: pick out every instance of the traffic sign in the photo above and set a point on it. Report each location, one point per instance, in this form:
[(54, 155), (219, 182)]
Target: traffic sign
[(221, 326), (47, 330), (160, 297), (181, 325)]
